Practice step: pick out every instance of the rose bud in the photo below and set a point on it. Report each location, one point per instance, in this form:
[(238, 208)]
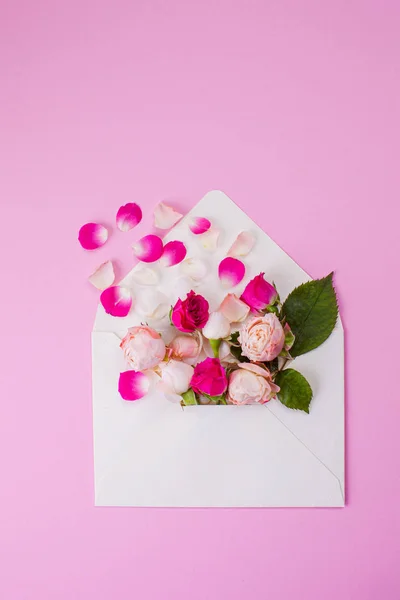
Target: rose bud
[(185, 347), (209, 378), (258, 294)]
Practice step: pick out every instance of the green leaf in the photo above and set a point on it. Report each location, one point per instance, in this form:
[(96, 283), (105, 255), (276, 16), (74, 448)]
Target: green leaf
[(295, 390), (311, 311), (236, 349), (216, 399), (189, 398), (234, 337)]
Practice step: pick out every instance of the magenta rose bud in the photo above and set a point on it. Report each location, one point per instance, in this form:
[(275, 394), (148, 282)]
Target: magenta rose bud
[(209, 378), (258, 293), (190, 314)]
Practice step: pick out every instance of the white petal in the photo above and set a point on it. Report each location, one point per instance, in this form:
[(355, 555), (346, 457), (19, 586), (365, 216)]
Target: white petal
[(195, 268), (217, 327), (209, 239), (145, 276), (165, 216), (182, 287), (225, 354), (103, 277), (242, 245), (152, 304)]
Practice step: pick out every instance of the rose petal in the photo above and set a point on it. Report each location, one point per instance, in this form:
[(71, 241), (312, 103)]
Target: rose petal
[(103, 277), (128, 216), (165, 216), (198, 225), (92, 236), (149, 248), (264, 372), (176, 376), (195, 268), (242, 245), (234, 309), (225, 354), (145, 276), (133, 385), (231, 271), (209, 239), (174, 253), (152, 304), (217, 326), (117, 301)]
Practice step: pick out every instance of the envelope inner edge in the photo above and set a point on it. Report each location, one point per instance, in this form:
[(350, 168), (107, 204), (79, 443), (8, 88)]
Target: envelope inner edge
[(310, 451)]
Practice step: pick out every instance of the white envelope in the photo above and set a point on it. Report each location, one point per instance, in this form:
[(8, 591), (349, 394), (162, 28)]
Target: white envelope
[(155, 453)]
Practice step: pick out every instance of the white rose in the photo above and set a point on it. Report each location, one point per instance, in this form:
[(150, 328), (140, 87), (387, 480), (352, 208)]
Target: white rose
[(175, 379)]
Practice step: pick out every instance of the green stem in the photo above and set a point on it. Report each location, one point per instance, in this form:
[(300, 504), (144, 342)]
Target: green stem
[(215, 344)]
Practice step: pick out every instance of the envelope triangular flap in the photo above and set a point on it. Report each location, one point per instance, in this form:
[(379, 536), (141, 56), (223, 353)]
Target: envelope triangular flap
[(153, 453)]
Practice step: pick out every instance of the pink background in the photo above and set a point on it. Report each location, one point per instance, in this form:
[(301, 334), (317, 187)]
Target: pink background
[(291, 108)]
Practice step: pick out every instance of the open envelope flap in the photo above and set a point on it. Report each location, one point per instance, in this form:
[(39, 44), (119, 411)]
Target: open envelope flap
[(154, 453), (319, 435)]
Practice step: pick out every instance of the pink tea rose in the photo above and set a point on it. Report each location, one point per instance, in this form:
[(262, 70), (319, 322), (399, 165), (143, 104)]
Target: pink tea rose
[(186, 347), (209, 378), (251, 384), (258, 293), (262, 338), (143, 348), (191, 313)]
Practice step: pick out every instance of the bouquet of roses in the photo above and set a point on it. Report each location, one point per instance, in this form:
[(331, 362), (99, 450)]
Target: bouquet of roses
[(238, 354)]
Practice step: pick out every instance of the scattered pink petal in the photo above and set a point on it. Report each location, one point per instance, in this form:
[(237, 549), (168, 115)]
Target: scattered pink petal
[(231, 271), (103, 277), (198, 225), (242, 245), (149, 248), (117, 301), (128, 216), (195, 268), (209, 239), (165, 216), (174, 253), (133, 385), (92, 236)]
